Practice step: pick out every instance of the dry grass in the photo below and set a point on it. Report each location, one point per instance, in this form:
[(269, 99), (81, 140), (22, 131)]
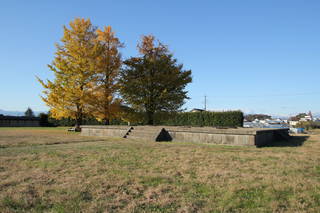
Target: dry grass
[(51, 170), (31, 136)]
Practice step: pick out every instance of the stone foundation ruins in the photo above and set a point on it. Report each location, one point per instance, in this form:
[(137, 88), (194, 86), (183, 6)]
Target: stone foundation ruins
[(230, 136)]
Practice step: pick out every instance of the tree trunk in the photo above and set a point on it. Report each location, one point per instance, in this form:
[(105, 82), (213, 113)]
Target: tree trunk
[(78, 123), (150, 118), (78, 119), (106, 109), (106, 121)]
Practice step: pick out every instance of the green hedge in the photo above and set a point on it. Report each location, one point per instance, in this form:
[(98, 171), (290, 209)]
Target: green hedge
[(215, 119), (49, 121)]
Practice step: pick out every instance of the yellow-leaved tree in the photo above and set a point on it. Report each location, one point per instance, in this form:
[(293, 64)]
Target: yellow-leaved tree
[(74, 69), (102, 101)]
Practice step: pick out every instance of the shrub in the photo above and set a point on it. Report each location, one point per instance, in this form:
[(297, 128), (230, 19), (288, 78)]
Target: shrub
[(308, 125), (86, 121), (215, 119), (44, 119)]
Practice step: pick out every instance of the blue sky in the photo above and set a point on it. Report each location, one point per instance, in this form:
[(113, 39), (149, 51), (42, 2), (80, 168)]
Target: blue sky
[(258, 56)]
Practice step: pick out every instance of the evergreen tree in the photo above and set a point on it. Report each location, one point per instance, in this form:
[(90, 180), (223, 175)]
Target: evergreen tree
[(29, 113), (154, 81)]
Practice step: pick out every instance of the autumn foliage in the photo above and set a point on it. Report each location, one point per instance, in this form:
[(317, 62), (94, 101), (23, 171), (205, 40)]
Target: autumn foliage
[(73, 68), (102, 102), (89, 80)]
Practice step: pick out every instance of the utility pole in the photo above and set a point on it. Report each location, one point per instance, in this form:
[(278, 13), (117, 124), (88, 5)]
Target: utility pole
[(205, 103)]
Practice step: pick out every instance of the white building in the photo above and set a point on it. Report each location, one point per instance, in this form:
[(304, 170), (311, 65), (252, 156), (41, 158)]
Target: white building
[(293, 123)]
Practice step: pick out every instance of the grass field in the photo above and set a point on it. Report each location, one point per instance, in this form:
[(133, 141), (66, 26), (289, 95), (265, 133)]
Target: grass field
[(51, 170)]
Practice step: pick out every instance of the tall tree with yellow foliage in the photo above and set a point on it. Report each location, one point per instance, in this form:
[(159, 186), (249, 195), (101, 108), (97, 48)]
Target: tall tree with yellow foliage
[(73, 67), (103, 104)]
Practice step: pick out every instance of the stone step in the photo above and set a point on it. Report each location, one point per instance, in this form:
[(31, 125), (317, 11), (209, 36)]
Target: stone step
[(146, 127), (146, 130), (144, 138), (144, 133), (150, 134)]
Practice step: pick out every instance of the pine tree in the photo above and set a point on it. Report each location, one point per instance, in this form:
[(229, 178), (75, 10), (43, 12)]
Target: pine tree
[(154, 81), (29, 113)]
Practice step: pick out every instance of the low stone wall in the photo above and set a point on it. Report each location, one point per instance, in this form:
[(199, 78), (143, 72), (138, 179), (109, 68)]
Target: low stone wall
[(105, 131), (237, 136), (207, 137)]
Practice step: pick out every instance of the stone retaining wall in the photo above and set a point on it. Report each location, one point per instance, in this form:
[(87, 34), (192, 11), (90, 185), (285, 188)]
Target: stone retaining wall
[(105, 131), (237, 136), (206, 137)]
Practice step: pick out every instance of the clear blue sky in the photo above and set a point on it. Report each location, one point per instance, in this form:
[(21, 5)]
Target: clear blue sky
[(258, 56)]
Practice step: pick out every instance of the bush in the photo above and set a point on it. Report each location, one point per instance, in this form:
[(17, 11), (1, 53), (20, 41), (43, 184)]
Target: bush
[(215, 119), (86, 121), (308, 125), (44, 119)]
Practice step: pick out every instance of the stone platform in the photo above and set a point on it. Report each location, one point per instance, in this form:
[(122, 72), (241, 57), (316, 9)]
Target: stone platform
[(231, 136)]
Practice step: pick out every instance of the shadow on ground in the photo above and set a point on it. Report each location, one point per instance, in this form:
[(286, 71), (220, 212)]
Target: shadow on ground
[(294, 141)]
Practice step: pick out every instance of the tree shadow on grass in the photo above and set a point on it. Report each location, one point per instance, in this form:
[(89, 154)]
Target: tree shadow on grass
[(294, 141)]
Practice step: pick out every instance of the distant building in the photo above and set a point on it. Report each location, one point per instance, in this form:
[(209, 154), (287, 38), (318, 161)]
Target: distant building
[(266, 123), (308, 117), (293, 123), (197, 110)]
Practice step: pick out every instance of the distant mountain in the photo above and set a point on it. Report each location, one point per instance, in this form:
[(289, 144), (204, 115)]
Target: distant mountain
[(13, 113), (16, 113)]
